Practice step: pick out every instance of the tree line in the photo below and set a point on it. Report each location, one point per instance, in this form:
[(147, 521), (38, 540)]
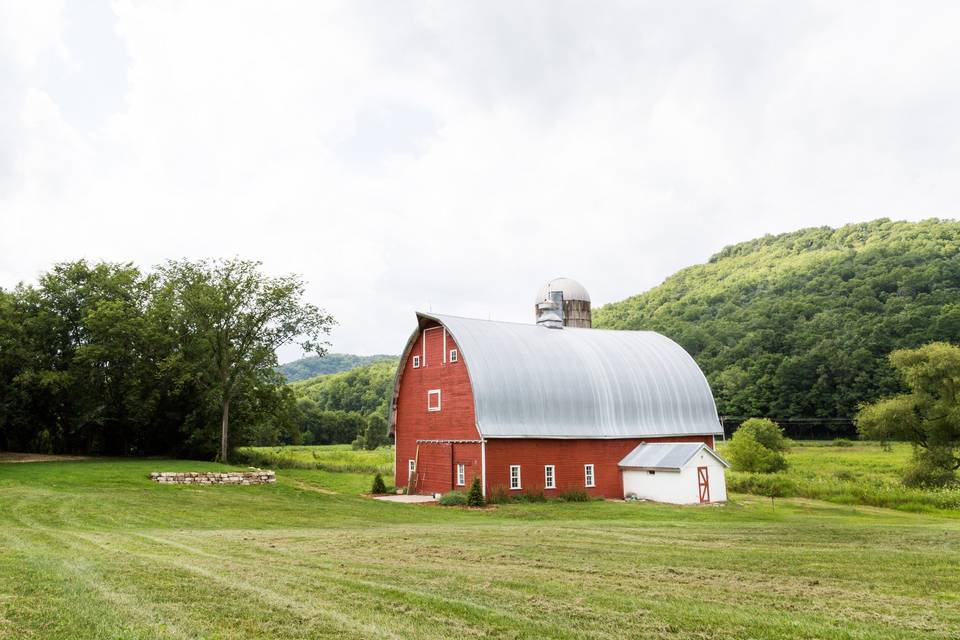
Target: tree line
[(106, 358)]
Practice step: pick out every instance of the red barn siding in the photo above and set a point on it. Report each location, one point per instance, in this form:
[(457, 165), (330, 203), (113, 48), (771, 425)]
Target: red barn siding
[(455, 420), (568, 458)]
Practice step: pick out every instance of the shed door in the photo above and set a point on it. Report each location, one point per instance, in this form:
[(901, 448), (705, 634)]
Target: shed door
[(703, 480)]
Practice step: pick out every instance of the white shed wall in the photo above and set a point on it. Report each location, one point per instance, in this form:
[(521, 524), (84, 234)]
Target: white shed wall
[(677, 487)]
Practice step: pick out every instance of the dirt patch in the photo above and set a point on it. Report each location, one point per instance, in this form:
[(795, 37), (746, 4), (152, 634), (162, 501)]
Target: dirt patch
[(37, 457)]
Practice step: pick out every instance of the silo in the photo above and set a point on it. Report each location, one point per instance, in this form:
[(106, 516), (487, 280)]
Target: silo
[(576, 302)]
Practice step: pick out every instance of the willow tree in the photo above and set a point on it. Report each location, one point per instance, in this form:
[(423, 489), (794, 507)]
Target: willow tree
[(231, 319)]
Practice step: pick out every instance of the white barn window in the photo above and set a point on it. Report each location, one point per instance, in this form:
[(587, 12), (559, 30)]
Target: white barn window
[(514, 476), (411, 468), (549, 477), (453, 355), (461, 475), (433, 400), (588, 478), (416, 362)]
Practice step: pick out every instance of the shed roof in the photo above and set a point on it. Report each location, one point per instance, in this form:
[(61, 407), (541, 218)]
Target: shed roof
[(530, 381), (669, 456)]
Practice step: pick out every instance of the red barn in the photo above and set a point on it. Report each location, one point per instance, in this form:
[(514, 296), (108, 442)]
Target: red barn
[(544, 406)]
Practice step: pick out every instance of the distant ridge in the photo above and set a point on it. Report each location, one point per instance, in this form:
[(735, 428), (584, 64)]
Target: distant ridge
[(305, 368)]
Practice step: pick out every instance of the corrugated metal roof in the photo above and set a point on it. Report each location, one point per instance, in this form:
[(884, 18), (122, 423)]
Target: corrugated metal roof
[(673, 455), (533, 382)]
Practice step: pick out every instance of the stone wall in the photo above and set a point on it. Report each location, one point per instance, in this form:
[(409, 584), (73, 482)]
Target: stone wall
[(212, 477)]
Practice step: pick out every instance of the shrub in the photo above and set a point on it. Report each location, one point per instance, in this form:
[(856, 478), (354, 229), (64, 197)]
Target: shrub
[(358, 443), (766, 432), (932, 468), (498, 495), (574, 495), (475, 497), (532, 495), (378, 485), (453, 499), (842, 442), (746, 453), (376, 433)]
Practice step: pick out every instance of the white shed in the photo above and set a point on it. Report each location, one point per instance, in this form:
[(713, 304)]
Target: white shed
[(676, 472)]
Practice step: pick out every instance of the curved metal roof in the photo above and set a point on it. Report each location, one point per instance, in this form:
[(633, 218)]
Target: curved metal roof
[(572, 290), (533, 382)]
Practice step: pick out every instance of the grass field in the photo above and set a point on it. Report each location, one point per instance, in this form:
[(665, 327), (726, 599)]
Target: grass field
[(864, 473), (334, 457), (91, 549)]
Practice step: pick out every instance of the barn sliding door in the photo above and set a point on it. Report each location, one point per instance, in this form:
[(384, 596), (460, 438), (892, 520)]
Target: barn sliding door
[(703, 481)]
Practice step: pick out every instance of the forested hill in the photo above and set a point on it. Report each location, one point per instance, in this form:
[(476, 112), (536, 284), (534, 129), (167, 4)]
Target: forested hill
[(330, 363), (800, 324)]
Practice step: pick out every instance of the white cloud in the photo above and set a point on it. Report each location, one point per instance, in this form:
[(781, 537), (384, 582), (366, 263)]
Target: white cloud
[(406, 155)]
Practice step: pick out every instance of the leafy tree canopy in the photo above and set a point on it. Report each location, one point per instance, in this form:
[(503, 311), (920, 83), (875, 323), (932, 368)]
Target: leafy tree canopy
[(928, 416)]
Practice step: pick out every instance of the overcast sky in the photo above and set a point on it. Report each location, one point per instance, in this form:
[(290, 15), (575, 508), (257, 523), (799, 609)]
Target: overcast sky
[(455, 155)]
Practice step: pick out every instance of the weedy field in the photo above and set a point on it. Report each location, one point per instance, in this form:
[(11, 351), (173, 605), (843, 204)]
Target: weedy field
[(92, 549), (859, 472)]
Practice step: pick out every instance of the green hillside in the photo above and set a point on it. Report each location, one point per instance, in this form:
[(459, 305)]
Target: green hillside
[(800, 324), (362, 390), (331, 363)]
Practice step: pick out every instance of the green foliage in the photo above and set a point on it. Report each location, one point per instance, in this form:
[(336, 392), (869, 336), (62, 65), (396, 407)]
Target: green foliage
[(842, 442), (531, 495), (101, 358), (765, 431), (453, 499), (498, 494), (475, 496), (573, 495), (798, 325), (376, 433), (928, 416), (867, 473), (312, 366), (378, 486), (363, 390), (747, 453), (338, 458)]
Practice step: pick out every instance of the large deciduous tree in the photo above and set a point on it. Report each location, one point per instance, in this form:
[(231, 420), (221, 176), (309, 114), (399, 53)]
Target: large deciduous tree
[(231, 319), (928, 416)]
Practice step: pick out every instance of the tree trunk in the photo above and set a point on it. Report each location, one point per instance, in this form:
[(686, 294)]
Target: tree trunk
[(224, 430)]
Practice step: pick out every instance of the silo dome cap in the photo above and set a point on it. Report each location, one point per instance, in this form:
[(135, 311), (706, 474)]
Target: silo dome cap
[(572, 290)]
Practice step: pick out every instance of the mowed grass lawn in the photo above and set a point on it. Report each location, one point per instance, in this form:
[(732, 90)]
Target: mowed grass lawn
[(92, 549)]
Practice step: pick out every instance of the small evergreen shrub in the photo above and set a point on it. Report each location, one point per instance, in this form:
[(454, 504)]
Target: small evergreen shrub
[(453, 499), (475, 497), (378, 485)]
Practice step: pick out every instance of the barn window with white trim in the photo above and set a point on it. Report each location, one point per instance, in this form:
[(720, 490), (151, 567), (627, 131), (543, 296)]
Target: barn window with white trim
[(416, 362), (549, 477), (454, 355), (588, 479), (514, 476), (461, 475), (411, 468), (433, 400)]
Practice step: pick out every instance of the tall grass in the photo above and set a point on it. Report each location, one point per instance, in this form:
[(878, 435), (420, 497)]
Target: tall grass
[(333, 458), (857, 473)]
